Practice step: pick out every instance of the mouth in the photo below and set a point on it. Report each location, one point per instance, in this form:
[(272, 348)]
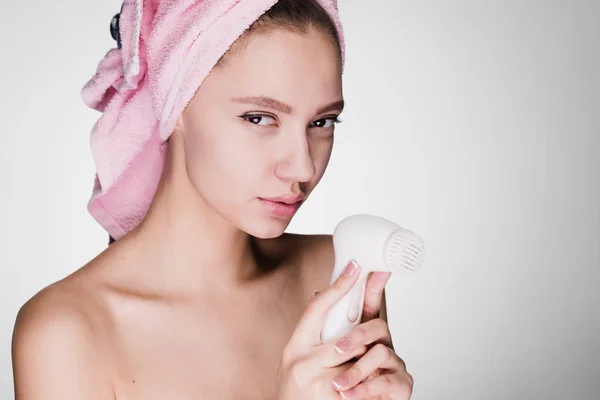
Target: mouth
[(282, 206)]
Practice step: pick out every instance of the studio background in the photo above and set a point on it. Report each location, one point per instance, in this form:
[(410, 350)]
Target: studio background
[(474, 123)]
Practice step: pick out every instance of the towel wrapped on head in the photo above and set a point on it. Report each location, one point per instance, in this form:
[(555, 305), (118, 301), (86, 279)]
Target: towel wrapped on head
[(166, 49)]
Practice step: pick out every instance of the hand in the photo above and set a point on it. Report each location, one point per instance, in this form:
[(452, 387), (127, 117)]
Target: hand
[(307, 365), (379, 374)]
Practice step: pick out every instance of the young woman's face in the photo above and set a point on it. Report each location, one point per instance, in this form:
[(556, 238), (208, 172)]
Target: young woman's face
[(261, 126)]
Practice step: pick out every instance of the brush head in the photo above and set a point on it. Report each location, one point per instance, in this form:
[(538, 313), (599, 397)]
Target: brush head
[(404, 252)]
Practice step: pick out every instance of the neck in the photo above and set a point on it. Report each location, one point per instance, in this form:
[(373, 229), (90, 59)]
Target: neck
[(186, 244)]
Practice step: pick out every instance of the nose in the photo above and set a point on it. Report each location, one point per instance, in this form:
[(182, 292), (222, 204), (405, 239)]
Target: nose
[(296, 164)]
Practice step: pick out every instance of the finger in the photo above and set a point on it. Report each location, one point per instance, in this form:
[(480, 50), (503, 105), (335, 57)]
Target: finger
[(373, 295), (354, 344), (309, 327), (375, 331), (378, 357), (328, 356), (392, 386)]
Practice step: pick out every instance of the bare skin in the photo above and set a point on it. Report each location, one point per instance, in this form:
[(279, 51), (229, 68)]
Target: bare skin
[(200, 299), (144, 343)]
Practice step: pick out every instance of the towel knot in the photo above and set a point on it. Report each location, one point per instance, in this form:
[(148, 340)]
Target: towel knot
[(122, 68)]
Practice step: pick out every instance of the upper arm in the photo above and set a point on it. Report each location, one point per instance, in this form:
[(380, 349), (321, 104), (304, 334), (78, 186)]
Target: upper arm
[(53, 353)]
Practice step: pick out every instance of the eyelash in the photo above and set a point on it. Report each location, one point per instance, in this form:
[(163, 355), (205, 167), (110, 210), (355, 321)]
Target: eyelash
[(246, 117)]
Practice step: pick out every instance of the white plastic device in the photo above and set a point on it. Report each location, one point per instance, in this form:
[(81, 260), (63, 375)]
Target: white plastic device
[(376, 244)]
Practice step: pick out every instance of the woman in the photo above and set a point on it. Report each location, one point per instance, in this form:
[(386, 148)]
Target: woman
[(207, 297)]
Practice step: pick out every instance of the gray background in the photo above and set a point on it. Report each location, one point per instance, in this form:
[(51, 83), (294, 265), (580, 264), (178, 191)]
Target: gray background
[(474, 123)]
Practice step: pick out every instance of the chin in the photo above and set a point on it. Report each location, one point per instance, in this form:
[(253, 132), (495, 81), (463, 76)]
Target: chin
[(262, 224), (267, 228)]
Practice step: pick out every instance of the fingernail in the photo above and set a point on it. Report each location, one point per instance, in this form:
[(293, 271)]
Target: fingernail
[(351, 268), (315, 293), (348, 393), (340, 382), (343, 345)]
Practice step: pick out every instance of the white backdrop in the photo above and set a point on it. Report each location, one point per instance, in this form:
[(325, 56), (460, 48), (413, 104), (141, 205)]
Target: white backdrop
[(474, 123)]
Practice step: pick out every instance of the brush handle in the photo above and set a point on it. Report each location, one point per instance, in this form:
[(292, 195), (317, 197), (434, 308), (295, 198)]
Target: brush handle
[(346, 313), (376, 244)]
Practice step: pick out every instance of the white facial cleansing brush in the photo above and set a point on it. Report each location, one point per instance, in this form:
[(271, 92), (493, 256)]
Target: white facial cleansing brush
[(376, 244)]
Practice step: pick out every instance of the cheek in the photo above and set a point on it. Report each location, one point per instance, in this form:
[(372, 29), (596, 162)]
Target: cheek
[(243, 162), (226, 159)]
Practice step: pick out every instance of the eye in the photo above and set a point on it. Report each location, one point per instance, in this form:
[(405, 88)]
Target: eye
[(327, 122), (256, 119)]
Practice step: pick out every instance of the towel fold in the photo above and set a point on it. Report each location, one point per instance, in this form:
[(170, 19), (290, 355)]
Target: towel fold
[(167, 48)]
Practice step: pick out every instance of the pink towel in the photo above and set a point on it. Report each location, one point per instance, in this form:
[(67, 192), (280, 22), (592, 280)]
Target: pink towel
[(167, 49)]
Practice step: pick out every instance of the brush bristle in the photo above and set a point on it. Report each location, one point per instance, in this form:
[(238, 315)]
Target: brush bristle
[(405, 252)]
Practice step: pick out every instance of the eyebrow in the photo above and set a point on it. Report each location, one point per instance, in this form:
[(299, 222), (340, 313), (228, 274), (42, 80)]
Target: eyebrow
[(277, 105)]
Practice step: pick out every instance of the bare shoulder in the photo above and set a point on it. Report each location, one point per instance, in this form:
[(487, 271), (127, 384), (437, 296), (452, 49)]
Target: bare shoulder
[(314, 256), (317, 251), (55, 348)]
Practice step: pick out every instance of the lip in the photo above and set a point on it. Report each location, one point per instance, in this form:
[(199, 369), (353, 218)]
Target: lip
[(283, 206), (287, 199)]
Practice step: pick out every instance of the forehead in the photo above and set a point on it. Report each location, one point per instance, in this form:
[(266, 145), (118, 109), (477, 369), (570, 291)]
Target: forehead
[(282, 64)]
